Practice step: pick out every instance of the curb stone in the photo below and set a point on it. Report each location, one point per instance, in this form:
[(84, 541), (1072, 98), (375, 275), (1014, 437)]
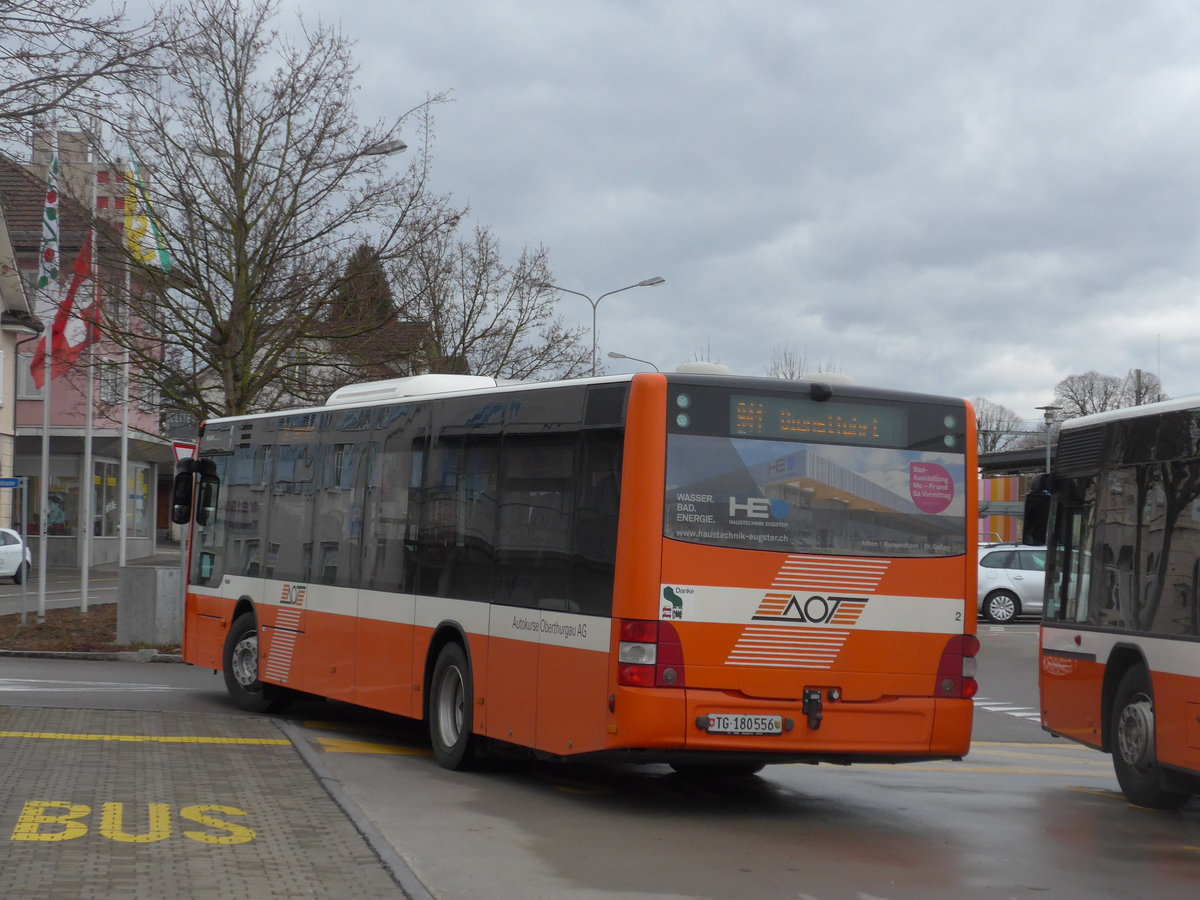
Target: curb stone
[(146, 655)]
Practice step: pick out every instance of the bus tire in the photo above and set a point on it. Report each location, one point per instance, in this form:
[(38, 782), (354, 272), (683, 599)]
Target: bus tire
[(1001, 607), (240, 667), (451, 706), (1143, 781)]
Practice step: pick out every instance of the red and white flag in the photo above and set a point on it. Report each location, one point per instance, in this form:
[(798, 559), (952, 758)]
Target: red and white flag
[(72, 330)]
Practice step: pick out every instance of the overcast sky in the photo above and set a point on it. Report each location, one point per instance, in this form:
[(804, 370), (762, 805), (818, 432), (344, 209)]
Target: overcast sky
[(970, 198)]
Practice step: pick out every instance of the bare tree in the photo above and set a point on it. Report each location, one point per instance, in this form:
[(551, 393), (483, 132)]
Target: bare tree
[(58, 57), (791, 363), (486, 317), (1092, 392), (265, 183), (1141, 387), (997, 426)]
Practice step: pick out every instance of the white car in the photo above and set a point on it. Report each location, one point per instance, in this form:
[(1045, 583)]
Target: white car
[(1012, 579), (13, 563)]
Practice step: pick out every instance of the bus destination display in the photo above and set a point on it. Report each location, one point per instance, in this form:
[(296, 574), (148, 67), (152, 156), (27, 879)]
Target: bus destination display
[(798, 419)]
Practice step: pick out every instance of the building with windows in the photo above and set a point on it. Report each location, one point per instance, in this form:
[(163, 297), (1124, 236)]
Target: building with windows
[(84, 184)]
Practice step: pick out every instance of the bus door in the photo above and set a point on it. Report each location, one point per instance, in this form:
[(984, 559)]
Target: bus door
[(334, 551), (1072, 662), (386, 672)]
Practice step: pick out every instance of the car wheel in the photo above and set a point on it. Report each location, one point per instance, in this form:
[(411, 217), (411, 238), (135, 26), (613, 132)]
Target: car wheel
[(1001, 607), (240, 669), (21, 574), (1142, 779), (451, 707)]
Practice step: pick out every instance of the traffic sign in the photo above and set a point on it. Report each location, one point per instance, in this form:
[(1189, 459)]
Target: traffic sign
[(183, 450), (10, 482)]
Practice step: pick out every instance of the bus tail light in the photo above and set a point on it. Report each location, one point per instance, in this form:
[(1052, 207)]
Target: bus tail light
[(650, 654), (956, 670)]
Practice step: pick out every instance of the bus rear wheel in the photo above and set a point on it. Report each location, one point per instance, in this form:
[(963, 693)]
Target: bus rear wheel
[(451, 707), (1142, 779), (240, 666)]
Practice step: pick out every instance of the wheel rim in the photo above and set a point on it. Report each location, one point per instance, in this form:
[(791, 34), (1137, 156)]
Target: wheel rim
[(1002, 608), (1135, 733), (244, 660), (450, 706)]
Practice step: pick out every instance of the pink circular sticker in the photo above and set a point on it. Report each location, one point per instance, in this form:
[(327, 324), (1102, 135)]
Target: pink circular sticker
[(931, 487)]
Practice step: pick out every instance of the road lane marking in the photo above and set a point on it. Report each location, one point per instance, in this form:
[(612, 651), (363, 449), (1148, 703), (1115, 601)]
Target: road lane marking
[(52, 685), (146, 739), (342, 745), (1093, 759)]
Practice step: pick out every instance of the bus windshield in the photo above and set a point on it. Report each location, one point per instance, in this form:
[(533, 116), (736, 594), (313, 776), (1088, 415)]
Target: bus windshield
[(789, 474)]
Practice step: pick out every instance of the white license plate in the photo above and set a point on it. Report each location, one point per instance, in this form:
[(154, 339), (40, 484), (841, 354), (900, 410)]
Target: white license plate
[(736, 723)]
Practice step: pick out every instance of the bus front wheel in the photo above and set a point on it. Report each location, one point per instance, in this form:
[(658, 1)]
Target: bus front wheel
[(1142, 779), (240, 668), (451, 703)]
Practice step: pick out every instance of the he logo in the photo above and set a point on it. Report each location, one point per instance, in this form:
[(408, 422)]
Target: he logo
[(753, 508)]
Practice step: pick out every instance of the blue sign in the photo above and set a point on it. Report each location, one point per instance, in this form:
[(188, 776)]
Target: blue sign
[(10, 482)]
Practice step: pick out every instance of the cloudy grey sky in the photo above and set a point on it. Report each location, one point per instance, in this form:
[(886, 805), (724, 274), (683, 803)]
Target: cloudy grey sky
[(963, 197)]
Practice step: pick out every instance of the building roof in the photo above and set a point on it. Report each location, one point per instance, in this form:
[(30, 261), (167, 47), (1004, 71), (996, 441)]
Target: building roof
[(23, 199)]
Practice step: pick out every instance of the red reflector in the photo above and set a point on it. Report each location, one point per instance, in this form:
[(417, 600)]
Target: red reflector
[(637, 632), (950, 678), (636, 676)]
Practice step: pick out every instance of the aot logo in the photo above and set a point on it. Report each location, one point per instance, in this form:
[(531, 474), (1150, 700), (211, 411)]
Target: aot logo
[(813, 610), (293, 595)]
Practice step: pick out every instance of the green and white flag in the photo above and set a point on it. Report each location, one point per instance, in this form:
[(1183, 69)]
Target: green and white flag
[(48, 260)]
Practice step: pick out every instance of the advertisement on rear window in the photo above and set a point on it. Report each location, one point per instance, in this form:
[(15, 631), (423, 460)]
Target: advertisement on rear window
[(814, 498)]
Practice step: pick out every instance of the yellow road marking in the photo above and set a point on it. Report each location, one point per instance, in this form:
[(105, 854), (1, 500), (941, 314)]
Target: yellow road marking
[(969, 769), (341, 745), (144, 739), (1101, 760)]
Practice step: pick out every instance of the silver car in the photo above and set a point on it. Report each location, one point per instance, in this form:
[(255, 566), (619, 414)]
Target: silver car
[(14, 556), (1012, 578)]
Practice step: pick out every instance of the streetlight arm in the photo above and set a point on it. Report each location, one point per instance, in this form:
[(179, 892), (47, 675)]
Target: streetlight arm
[(645, 282)]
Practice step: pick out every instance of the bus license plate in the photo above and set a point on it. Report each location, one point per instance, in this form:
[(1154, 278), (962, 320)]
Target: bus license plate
[(735, 723)]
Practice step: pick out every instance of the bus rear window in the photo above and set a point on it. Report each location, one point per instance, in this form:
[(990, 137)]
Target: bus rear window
[(800, 497)]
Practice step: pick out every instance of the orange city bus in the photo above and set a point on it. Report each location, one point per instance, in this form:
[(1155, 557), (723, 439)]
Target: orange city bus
[(1120, 635), (713, 572)]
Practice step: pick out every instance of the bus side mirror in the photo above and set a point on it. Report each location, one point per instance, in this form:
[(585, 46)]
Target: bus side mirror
[(1037, 517), (206, 500), (181, 492)]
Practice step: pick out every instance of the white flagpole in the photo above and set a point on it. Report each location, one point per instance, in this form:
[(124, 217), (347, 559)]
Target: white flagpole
[(87, 483), (124, 476), (48, 348)]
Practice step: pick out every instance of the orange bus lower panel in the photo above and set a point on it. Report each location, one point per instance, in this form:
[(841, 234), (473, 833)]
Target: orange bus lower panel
[(204, 629), (915, 727), (1177, 718), (385, 673), (1070, 694)]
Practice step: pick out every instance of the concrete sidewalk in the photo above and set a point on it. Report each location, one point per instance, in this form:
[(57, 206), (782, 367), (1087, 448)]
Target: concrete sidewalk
[(166, 557)]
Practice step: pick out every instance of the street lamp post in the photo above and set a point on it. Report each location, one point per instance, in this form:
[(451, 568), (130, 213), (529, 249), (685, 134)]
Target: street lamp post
[(647, 282), (613, 354), (1048, 417)]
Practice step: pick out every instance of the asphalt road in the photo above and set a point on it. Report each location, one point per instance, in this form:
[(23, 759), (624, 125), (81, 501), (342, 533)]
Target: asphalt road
[(1023, 814)]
